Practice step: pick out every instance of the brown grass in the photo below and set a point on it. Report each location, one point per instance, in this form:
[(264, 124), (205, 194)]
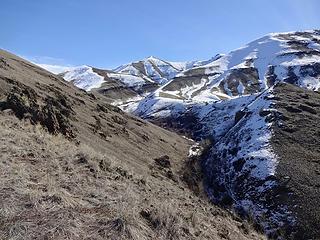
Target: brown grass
[(52, 189)]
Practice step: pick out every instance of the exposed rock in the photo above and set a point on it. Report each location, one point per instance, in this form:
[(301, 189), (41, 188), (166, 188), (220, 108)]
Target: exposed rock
[(54, 113), (163, 161)]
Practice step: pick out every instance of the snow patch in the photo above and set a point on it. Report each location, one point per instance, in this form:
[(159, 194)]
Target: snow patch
[(84, 77)]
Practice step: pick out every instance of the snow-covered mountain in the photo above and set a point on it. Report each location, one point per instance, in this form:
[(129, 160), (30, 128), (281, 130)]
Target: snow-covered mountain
[(246, 70), (88, 78), (291, 57), (84, 77), (116, 86), (129, 82), (153, 68), (156, 69)]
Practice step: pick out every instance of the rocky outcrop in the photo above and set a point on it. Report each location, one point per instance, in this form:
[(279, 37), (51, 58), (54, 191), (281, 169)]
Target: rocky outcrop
[(53, 113)]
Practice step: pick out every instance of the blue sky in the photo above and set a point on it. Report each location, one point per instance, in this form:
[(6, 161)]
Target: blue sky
[(107, 33)]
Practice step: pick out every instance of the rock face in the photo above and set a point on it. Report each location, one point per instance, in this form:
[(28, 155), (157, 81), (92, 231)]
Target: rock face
[(54, 113), (241, 168)]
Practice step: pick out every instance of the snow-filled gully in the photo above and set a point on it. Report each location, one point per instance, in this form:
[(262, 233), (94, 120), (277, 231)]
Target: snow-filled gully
[(240, 170)]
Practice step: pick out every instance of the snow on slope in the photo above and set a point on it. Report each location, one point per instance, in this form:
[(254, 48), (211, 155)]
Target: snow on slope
[(84, 77), (129, 80), (89, 78), (151, 67), (291, 57), (183, 66), (141, 76), (158, 70), (242, 165), (137, 75)]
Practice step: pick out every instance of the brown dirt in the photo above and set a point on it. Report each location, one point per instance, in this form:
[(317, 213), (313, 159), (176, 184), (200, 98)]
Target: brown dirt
[(182, 82), (113, 89), (247, 76)]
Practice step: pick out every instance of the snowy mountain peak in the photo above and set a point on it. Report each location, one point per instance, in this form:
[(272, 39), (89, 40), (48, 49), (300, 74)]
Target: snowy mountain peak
[(152, 58), (247, 70), (151, 67)]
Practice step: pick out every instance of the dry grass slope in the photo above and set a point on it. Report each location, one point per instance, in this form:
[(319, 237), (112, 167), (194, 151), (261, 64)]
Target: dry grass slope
[(53, 189)]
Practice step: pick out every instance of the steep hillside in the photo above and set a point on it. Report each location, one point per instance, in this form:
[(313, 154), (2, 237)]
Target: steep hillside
[(74, 167), (263, 156), (266, 163), (61, 108), (237, 102), (296, 141)]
